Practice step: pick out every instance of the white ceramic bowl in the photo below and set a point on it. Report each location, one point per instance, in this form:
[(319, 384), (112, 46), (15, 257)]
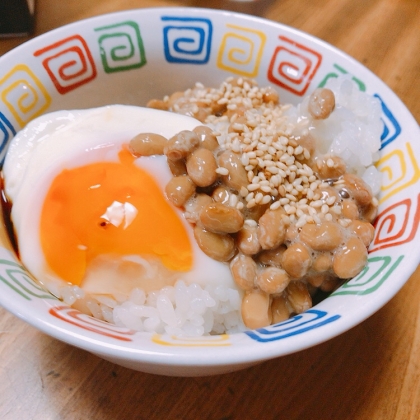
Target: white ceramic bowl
[(133, 56)]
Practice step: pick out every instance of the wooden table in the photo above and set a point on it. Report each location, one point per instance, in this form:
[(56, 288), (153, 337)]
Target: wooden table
[(371, 372)]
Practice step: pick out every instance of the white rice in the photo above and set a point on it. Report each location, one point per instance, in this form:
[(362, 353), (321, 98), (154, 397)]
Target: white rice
[(182, 310), (352, 131)]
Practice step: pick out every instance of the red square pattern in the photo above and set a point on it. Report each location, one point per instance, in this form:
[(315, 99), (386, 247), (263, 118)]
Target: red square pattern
[(68, 62), (293, 66)]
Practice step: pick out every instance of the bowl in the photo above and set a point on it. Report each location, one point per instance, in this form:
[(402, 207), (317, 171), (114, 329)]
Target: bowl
[(132, 56)]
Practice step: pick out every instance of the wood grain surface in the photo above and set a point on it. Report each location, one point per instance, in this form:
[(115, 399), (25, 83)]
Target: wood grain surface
[(372, 372)]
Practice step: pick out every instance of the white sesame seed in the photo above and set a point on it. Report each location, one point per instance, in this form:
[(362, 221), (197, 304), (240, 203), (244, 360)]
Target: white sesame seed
[(251, 203), (336, 209), (250, 196), (316, 204), (275, 205), (250, 222), (301, 221), (331, 200), (245, 159), (233, 200), (273, 170), (222, 171), (298, 150), (253, 187), (266, 188), (266, 199)]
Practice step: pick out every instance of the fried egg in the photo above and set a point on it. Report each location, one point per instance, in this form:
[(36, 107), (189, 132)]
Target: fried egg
[(86, 212)]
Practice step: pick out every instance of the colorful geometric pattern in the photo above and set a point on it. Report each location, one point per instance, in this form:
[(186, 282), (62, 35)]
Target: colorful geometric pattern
[(392, 128), (68, 62), (397, 224), (371, 278), (6, 133), (221, 340), (293, 65), (121, 47), (338, 71), (23, 94), (399, 170), (299, 324), (187, 40), (16, 277), (241, 50), (86, 322)]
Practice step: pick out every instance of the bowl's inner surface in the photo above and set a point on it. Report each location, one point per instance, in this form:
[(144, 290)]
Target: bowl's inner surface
[(132, 57)]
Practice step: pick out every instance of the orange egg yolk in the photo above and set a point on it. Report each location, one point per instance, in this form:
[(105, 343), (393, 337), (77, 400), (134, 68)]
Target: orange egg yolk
[(112, 208)]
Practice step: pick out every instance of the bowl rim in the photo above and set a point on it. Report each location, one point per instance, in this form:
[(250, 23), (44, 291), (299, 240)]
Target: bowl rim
[(235, 355)]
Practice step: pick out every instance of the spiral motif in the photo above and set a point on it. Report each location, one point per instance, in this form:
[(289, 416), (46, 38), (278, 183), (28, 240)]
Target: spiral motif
[(204, 341), (17, 279), (376, 272), (187, 40), (339, 71), (399, 170), (293, 66), (299, 324), (392, 128), (397, 224), (86, 322), (241, 50), (23, 94), (68, 62), (121, 47), (7, 132)]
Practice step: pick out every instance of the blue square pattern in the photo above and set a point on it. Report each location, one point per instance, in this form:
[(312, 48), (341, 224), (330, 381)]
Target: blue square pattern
[(299, 324), (187, 40), (7, 132), (392, 128)]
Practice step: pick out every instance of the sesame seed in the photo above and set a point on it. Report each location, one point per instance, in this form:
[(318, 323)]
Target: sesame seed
[(253, 187), (266, 199), (301, 221), (258, 198), (275, 205), (298, 150), (222, 171), (250, 222), (250, 196), (251, 203), (266, 188), (233, 200), (243, 192), (315, 204)]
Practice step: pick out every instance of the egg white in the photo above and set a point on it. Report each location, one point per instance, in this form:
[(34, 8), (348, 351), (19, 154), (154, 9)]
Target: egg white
[(68, 139)]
